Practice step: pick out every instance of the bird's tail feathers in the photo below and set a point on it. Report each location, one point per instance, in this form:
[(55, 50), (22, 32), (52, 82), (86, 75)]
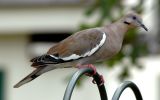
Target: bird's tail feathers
[(30, 77)]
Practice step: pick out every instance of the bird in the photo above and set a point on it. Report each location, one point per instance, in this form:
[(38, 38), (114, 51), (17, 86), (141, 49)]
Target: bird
[(86, 47)]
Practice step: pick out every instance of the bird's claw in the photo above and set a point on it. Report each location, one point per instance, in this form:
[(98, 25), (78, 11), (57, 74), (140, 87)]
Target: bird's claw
[(101, 80), (93, 73), (89, 66), (94, 70)]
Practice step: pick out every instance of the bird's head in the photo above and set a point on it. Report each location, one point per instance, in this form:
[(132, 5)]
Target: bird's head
[(132, 19)]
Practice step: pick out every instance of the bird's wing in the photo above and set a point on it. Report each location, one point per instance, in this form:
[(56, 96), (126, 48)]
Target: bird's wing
[(79, 45)]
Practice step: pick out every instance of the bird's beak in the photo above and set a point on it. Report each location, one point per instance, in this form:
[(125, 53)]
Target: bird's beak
[(143, 26)]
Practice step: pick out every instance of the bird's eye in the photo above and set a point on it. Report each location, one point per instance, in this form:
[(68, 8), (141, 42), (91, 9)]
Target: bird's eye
[(134, 17)]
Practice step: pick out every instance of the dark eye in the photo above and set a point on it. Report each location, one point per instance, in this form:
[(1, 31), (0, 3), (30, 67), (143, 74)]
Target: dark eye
[(134, 17)]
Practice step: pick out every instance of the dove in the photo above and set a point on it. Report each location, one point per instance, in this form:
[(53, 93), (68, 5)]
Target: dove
[(84, 48)]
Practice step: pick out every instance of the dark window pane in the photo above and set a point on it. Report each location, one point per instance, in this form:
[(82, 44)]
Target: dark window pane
[(1, 85)]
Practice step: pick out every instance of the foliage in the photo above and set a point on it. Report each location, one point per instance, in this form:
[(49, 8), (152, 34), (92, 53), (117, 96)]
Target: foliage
[(132, 49)]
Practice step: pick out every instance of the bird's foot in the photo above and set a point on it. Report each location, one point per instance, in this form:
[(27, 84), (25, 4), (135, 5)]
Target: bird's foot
[(89, 66), (92, 74), (101, 80)]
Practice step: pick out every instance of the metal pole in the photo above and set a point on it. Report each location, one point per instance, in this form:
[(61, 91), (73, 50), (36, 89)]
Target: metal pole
[(74, 79), (101, 88), (125, 85)]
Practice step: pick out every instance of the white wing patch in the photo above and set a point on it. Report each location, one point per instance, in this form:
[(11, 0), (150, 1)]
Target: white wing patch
[(89, 53), (73, 56), (54, 57)]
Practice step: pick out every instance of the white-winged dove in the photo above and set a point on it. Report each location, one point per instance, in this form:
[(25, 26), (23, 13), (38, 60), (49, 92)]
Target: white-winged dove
[(85, 47)]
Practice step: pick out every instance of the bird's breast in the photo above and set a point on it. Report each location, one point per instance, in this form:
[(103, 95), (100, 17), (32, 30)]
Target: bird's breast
[(109, 49)]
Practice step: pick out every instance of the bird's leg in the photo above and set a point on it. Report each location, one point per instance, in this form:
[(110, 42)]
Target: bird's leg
[(91, 74), (88, 66)]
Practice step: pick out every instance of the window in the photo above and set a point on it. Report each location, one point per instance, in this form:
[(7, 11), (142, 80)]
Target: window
[(2, 85)]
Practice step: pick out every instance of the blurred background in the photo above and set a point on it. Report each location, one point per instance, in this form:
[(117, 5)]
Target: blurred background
[(30, 27)]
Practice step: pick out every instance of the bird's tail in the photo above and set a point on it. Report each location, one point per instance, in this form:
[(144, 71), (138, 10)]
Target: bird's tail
[(30, 77)]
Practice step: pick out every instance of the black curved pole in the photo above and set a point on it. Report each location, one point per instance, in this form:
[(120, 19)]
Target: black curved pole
[(76, 76), (101, 88), (125, 85)]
